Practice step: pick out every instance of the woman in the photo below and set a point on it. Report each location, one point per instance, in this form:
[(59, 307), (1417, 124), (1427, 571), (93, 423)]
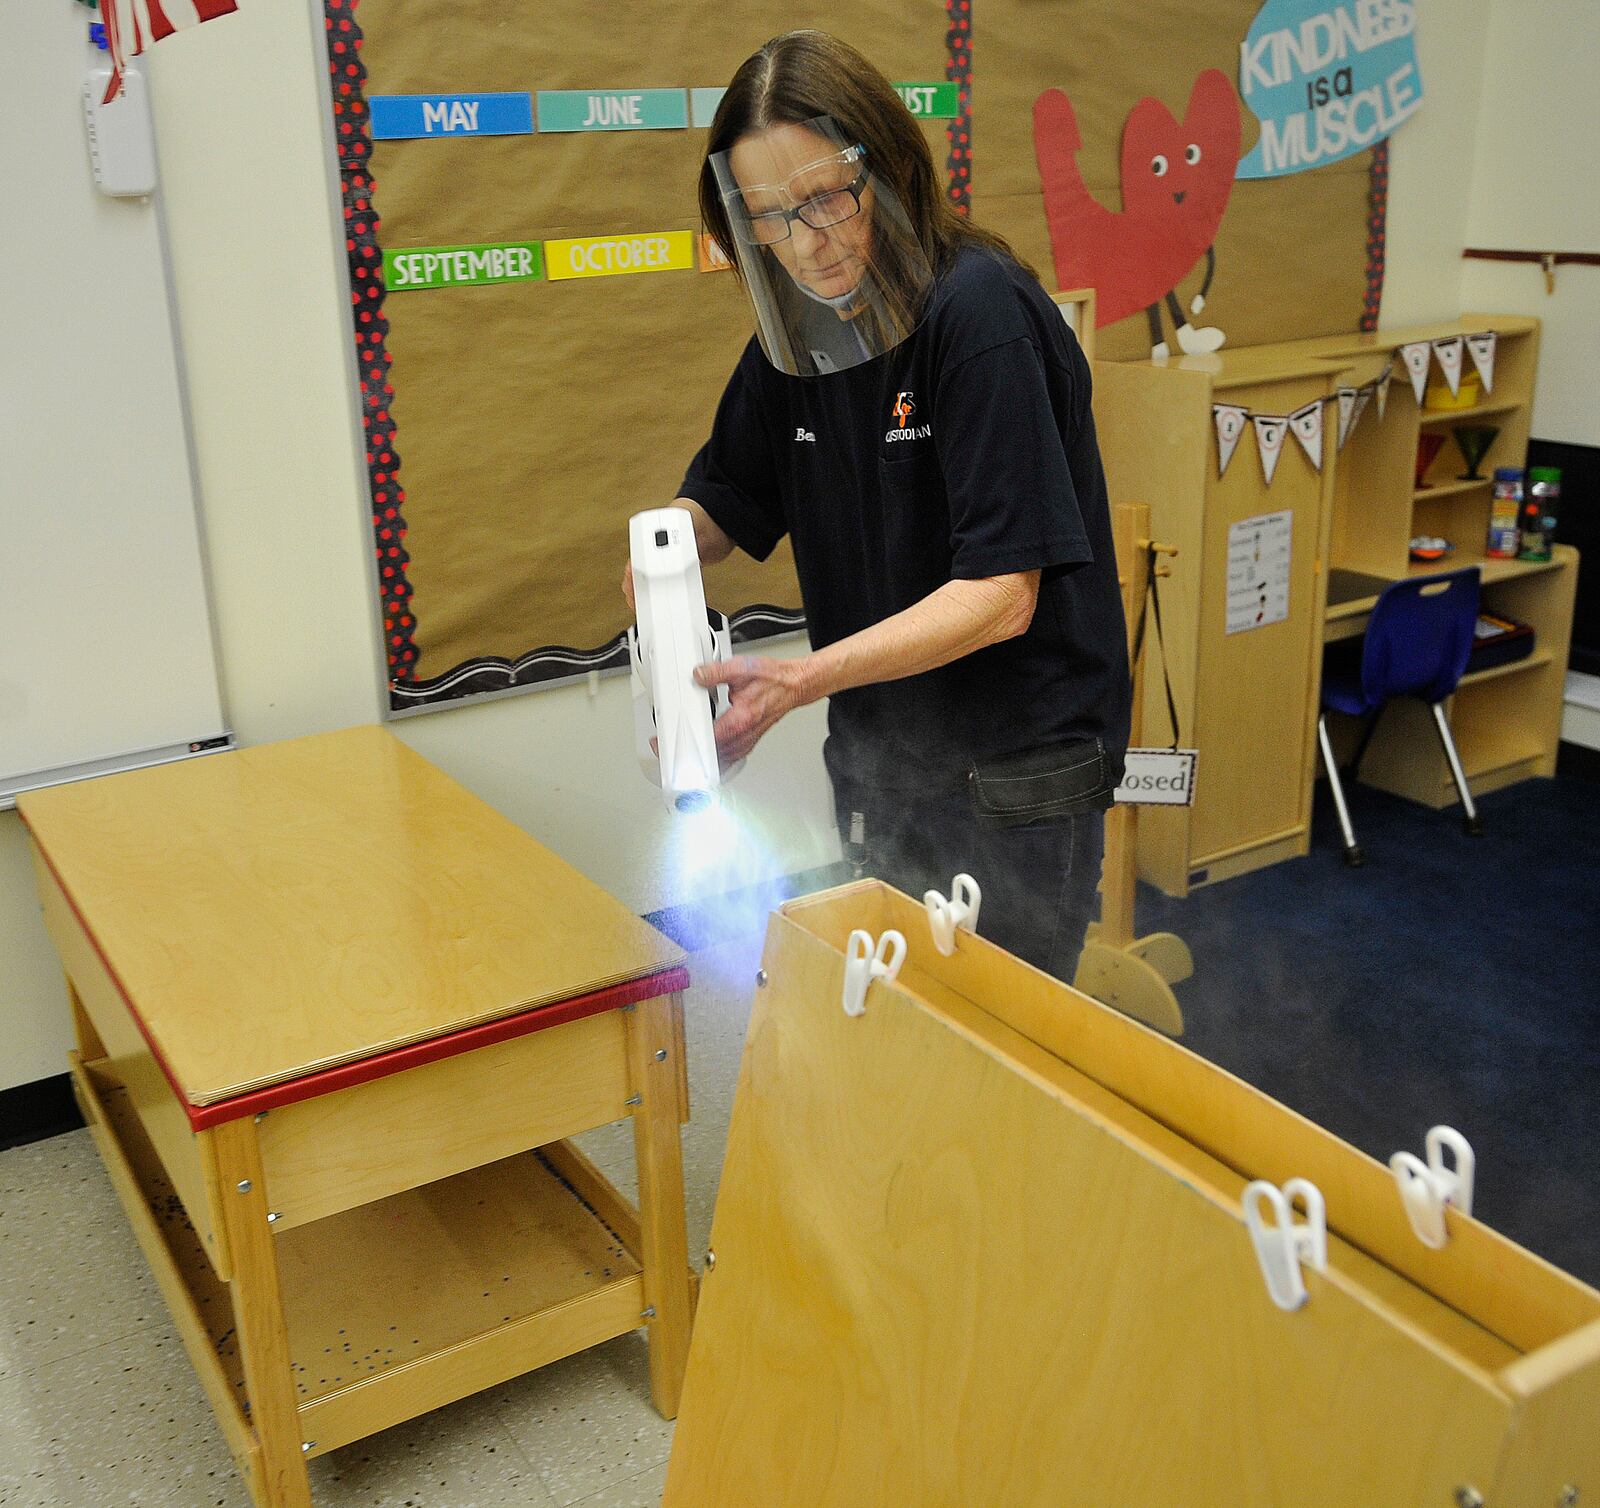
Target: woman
[(914, 414)]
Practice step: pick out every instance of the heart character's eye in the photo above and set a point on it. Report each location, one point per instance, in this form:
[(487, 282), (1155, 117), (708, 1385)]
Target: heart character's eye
[(1191, 153), (1158, 165)]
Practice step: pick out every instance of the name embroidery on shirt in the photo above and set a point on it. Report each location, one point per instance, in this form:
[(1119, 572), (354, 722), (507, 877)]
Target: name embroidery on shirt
[(802, 433)]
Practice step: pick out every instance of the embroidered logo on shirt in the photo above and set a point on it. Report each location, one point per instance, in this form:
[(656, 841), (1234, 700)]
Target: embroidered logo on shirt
[(902, 411), (805, 434)]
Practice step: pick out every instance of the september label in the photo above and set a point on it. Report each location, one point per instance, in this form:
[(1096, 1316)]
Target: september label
[(610, 256), (415, 267), (395, 116)]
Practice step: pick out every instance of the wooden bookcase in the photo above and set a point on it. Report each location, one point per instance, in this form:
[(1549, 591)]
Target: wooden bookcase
[(1248, 702)]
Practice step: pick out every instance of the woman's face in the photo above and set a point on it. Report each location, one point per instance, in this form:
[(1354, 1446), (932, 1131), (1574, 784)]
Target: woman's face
[(782, 167)]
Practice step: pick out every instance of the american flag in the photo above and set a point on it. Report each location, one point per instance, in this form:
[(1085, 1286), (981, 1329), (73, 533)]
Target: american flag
[(132, 25)]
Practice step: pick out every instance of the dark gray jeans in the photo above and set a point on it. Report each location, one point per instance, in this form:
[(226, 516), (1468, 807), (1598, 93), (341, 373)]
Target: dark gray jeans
[(1039, 882)]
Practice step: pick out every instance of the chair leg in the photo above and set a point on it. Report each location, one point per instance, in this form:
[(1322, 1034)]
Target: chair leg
[(1352, 851), (1470, 820)]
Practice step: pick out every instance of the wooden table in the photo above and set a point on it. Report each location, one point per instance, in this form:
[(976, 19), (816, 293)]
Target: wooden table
[(335, 1020)]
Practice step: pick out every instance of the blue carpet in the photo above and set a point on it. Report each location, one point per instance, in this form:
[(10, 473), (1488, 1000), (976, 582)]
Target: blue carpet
[(1452, 979)]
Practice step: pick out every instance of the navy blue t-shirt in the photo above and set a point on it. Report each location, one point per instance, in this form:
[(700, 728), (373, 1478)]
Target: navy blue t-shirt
[(966, 452)]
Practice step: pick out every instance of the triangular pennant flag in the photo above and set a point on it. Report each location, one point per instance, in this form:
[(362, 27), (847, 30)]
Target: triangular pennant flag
[(1482, 348), (1381, 389), (1269, 441), (1307, 426), (1363, 395), (1415, 357), (1347, 409), (1448, 351), (1230, 425)]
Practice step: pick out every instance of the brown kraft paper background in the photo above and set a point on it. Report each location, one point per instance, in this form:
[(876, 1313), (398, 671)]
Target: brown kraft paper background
[(532, 419)]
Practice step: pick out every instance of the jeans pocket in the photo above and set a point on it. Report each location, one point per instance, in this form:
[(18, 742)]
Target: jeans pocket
[(1041, 785)]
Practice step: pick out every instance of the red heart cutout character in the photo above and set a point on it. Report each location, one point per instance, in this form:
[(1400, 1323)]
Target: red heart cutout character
[(1176, 182)]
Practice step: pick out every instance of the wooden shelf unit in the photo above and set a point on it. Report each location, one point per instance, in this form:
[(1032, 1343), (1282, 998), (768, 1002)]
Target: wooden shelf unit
[(1248, 702)]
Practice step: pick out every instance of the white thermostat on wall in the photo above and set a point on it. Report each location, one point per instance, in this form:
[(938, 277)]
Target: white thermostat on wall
[(122, 138)]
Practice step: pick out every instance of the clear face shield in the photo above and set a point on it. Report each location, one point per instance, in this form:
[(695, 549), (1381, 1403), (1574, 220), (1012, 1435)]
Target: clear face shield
[(826, 250)]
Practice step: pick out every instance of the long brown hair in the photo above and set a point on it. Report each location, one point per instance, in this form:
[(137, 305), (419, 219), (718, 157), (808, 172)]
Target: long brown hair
[(801, 75)]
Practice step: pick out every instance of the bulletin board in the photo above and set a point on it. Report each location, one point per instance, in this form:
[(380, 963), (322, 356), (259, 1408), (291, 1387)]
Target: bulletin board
[(513, 426)]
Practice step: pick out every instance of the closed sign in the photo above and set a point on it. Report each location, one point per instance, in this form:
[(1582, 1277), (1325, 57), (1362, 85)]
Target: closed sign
[(1158, 777)]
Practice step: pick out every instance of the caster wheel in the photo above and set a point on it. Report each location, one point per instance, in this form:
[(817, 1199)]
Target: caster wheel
[(1474, 826), (1354, 858)]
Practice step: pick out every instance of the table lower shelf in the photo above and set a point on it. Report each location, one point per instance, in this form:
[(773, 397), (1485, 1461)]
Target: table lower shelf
[(399, 1306)]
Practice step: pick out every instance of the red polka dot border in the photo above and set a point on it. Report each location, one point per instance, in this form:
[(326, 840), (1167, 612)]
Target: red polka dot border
[(958, 69), (1377, 234), (364, 258)]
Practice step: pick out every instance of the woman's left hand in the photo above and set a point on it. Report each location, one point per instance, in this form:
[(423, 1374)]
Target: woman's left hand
[(760, 692)]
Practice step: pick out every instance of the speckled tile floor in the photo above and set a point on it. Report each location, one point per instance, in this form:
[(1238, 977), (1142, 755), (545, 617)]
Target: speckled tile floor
[(99, 1406)]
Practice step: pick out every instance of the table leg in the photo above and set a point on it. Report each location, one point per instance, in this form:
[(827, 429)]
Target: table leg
[(653, 1043), (90, 1048), (258, 1316)]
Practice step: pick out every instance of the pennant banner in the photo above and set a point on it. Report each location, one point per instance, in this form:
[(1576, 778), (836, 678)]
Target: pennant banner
[(1306, 423), (1230, 420), (1347, 409), (1363, 395), (1269, 441), (1482, 349), (1415, 357), (1448, 353)]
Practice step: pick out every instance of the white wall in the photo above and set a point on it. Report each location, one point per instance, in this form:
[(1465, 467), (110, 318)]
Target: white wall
[(91, 425), (1430, 166), (1536, 187), (257, 250)]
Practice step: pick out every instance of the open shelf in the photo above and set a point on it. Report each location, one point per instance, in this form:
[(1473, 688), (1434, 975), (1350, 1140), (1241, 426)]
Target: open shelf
[(380, 1299), (1446, 489), (1494, 672), (1458, 415)]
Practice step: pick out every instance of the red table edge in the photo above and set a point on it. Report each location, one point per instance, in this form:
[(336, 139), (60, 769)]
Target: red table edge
[(380, 1065)]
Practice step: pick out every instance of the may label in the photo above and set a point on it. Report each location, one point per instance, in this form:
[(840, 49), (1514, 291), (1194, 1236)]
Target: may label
[(402, 115), (930, 101), (609, 256), (613, 110), (1157, 777), (452, 266)]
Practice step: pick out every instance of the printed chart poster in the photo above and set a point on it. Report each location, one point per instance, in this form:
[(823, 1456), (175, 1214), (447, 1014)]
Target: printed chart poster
[(1258, 571)]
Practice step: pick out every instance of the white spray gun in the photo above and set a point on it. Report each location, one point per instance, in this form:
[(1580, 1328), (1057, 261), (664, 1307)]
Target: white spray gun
[(672, 634)]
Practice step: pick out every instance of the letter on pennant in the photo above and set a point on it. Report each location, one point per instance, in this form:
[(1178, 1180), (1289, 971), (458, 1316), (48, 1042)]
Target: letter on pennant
[(1448, 352), (1229, 419), (1482, 349), (1415, 357), (1306, 422), (1269, 441)]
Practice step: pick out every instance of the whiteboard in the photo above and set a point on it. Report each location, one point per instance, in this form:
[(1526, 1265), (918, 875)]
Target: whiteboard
[(107, 652)]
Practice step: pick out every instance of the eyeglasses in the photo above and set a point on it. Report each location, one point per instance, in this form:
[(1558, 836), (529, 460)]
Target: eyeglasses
[(820, 211)]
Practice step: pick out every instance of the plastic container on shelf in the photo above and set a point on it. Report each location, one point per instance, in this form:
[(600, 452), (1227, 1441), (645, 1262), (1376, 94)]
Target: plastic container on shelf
[(1539, 513), (1437, 395), (1505, 514)]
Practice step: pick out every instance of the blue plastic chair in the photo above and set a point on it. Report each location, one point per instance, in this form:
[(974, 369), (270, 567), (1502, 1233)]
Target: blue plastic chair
[(1416, 644)]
